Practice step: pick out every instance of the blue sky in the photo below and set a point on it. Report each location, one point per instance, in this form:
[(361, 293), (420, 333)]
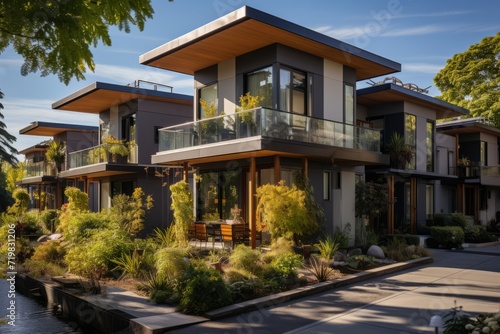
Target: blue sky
[(421, 35)]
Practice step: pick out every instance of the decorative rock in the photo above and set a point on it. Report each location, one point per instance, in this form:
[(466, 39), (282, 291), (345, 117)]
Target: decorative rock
[(376, 252), (55, 236), (43, 238), (354, 252), (339, 257)]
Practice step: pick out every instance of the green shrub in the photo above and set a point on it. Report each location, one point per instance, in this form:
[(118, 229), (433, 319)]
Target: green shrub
[(50, 251), (201, 290), (279, 246), (458, 219), (396, 249), (246, 259), (171, 262), (360, 261), (327, 247), (409, 239), (131, 265), (477, 234), (287, 264), (49, 219), (93, 258), (37, 268), (341, 236), (449, 219), (84, 225), (320, 268), (448, 236)]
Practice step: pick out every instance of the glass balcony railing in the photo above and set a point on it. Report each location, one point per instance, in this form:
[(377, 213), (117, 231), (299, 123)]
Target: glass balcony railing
[(475, 170), (41, 168), (98, 154), (271, 124)]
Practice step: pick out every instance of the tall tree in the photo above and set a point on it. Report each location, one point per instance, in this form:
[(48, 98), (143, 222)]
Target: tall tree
[(472, 79), (54, 36), (5, 140)]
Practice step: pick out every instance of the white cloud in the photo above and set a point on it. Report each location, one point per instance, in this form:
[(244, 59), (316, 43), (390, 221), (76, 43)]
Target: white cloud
[(375, 29), (421, 68), (414, 31), (19, 113)]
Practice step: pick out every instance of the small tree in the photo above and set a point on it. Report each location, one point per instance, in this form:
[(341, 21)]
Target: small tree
[(55, 153), (400, 153), (130, 211), (283, 211), (182, 206), (371, 200), (22, 199), (6, 138)]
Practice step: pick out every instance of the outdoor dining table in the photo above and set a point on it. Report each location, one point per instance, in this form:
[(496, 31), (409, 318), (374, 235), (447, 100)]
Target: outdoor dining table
[(220, 231)]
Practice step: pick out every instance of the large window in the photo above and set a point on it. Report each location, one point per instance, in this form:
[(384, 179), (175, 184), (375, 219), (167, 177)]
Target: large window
[(411, 137), (429, 146), (209, 97), (348, 104), (293, 91), (218, 193), (128, 128), (260, 83)]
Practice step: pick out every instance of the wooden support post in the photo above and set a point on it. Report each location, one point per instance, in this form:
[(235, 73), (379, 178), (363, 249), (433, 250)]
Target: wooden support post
[(252, 207), (460, 198), (390, 209), (305, 166), (185, 172), (277, 169), (413, 205)]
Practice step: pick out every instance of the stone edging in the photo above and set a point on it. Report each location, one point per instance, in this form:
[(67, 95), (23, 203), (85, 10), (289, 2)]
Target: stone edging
[(271, 300)]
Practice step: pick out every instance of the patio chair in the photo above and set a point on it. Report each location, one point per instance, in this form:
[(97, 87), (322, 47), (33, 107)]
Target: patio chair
[(234, 234), (200, 230), (214, 233)]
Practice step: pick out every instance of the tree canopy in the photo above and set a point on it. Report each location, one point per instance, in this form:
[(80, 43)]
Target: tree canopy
[(472, 79), (7, 151), (54, 36)]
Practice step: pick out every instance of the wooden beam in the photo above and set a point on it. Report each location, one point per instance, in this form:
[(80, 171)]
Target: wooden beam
[(413, 205), (252, 202), (390, 209), (277, 169), (185, 171)]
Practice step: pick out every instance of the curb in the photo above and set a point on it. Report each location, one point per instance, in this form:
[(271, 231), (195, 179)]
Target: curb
[(271, 300)]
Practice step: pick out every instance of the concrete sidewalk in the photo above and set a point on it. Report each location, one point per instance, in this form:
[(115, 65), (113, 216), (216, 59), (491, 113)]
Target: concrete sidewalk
[(470, 277)]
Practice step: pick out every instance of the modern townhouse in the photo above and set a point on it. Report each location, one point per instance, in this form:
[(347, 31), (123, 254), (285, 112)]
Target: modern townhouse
[(420, 188), (120, 160), (41, 177), (305, 121), (477, 186)]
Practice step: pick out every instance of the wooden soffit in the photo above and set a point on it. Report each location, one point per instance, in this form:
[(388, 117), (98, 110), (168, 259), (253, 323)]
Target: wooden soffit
[(101, 96), (248, 29)]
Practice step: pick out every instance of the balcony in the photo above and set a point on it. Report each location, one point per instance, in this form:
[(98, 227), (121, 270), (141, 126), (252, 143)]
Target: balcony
[(476, 170), (41, 168), (100, 154), (271, 124)]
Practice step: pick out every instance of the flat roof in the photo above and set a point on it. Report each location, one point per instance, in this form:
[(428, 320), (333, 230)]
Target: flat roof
[(101, 96), (247, 29), (467, 125), (49, 129), (389, 92), (35, 148)]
